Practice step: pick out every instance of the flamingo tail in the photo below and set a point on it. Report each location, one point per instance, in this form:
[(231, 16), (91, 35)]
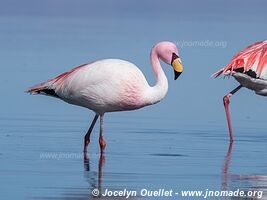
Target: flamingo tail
[(48, 87), (43, 88)]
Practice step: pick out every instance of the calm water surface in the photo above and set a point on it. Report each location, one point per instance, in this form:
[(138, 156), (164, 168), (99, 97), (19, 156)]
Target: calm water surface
[(179, 144), (41, 157)]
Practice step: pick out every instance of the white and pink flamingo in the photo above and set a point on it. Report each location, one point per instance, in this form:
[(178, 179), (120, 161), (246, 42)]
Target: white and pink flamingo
[(249, 68), (112, 85)]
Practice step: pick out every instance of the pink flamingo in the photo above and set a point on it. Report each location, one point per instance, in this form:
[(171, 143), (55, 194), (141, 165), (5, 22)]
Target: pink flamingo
[(111, 85), (249, 68)]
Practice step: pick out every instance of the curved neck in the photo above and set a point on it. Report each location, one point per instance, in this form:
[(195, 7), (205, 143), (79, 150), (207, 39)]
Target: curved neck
[(157, 92)]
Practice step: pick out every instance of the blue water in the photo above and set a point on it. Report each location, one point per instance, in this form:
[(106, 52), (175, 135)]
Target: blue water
[(179, 144), (139, 154)]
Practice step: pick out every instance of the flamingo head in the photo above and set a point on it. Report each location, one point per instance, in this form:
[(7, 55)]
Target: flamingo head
[(168, 52)]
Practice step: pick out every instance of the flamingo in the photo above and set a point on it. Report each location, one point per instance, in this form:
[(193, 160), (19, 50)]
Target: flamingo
[(111, 85), (249, 68)]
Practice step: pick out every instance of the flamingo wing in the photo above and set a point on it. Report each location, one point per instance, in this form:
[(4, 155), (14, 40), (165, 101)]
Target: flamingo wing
[(251, 61), (47, 86)]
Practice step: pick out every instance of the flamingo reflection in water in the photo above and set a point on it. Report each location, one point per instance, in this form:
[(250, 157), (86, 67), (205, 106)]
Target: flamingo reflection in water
[(254, 186), (96, 185), (92, 180)]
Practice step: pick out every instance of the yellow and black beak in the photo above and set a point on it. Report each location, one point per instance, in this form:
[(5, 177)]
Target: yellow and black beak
[(177, 65)]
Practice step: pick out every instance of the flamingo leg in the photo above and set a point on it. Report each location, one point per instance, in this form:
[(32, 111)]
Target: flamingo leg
[(226, 101), (102, 142), (87, 136)]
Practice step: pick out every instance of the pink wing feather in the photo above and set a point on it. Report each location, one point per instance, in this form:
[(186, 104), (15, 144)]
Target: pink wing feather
[(253, 56), (57, 80)]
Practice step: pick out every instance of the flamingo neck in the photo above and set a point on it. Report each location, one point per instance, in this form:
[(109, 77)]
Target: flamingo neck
[(157, 92)]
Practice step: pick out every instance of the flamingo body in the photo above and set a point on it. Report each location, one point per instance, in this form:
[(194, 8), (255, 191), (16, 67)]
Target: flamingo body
[(102, 86), (259, 86), (249, 67), (111, 85)]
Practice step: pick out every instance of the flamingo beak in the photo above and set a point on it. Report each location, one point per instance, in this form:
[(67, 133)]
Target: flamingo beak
[(177, 65)]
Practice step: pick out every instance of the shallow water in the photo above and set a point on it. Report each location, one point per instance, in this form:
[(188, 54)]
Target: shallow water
[(179, 144), (41, 158)]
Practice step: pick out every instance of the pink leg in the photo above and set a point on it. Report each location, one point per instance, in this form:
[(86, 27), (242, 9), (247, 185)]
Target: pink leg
[(87, 136), (226, 101), (102, 142)]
